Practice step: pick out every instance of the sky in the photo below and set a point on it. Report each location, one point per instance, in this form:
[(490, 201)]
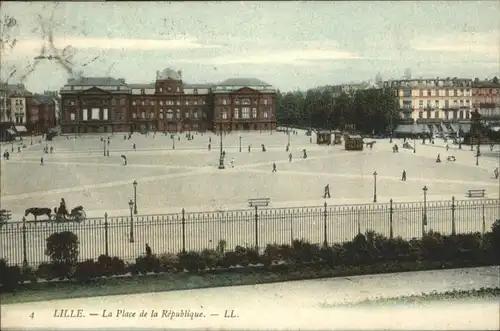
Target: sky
[(290, 45)]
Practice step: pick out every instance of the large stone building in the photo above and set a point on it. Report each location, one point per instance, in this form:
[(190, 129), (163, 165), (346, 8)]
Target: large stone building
[(486, 99), (434, 100), (110, 105)]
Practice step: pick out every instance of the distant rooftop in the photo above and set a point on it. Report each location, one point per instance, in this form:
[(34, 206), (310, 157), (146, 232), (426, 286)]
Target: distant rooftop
[(243, 82), (96, 81)]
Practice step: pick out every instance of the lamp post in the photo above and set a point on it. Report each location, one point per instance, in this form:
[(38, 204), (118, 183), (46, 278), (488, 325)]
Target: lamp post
[(414, 144), (221, 158), (104, 147), (478, 152), (31, 139), (173, 142), (135, 196), (131, 205), (12, 142), (424, 218), (240, 143), (374, 186)]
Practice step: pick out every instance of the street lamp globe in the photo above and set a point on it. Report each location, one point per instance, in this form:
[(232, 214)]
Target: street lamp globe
[(135, 183), (131, 205)]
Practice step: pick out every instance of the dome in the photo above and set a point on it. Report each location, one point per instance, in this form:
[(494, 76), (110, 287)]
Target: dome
[(169, 73)]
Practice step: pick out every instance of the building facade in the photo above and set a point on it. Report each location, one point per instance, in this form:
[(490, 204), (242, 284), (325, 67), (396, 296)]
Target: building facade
[(486, 99), (41, 114), (168, 104), (434, 100)]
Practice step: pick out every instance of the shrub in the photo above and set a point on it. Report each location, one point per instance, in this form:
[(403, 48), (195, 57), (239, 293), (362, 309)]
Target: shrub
[(62, 248), (110, 266), (10, 276), (29, 274), (145, 264), (191, 261), (45, 271), (210, 258), (304, 252), (88, 270), (394, 249), (168, 262), (432, 246), (272, 254)]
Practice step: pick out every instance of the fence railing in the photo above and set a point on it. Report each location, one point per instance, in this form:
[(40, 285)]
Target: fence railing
[(125, 237)]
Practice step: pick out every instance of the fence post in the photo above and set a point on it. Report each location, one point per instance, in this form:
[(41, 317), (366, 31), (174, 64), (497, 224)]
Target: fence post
[(483, 229), (291, 228), (391, 210), (325, 239), (106, 242), (256, 229), (25, 257), (453, 225), (359, 222), (183, 230)]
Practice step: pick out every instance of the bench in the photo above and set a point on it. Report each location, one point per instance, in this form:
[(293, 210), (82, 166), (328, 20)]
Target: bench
[(476, 193), (259, 202)]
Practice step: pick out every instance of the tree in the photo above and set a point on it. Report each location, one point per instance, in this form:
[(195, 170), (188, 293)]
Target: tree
[(495, 80)]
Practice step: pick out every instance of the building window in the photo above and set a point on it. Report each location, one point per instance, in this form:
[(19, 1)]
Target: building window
[(254, 112), (224, 114), (461, 114), (113, 102), (245, 112), (161, 89), (436, 114), (236, 101), (203, 102), (170, 114), (72, 116), (187, 102), (178, 102), (265, 114), (72, 103), (467, 114), (134, 115), (195, 102), (161, 116), (105, 114), (245, 101), (133, 103), (436, 103), (169, 88), (224, 102), (178, 89), (421, 103), (152, 103), (195, 91), (143, 114), (195, 114), (420, 114), (142, 102), (161, 102), (265, 102), (178, 115), (236, 113), (186, 114), (151, 115)]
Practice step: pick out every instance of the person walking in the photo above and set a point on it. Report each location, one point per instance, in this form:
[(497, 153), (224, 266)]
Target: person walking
[(232, 163), (495, 172), (274, 167), (327, 191), (290, 157), (403, 176), (41, 160)]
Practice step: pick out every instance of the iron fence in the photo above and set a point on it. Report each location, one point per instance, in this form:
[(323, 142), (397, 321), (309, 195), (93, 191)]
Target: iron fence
[(125, 237)]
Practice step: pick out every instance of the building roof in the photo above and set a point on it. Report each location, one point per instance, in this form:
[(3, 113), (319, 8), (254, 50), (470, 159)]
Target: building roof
[(142, 86), (207, 85), (96, 81), (44, 99), (486, 84), (243, 82), (18, 89)]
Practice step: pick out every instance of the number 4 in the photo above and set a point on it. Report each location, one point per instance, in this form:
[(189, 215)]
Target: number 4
[(32, 315)]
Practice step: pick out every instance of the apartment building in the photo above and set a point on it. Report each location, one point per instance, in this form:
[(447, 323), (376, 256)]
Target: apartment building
[(106, 104), (434, 100), (486, 99)]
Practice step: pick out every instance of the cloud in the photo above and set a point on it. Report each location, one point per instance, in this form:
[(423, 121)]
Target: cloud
[(33, 46), (485, 44), (292, 57)]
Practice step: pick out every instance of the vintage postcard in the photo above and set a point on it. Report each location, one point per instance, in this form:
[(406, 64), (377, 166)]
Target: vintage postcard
[(249, 165)]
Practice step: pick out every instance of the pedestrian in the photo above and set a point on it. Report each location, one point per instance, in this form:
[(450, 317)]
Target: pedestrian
[(209, 140), (232, 163), (18, 149), (403, 176), (249, 147), (51, 149), (491, 147), (327, 191), (133, 146), (209, 146), (495, 172), (41, 160), (447, 147), (274, 167), (290, 157)]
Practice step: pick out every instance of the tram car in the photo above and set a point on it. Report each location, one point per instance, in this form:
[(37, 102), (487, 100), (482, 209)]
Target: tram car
[(353, 142)]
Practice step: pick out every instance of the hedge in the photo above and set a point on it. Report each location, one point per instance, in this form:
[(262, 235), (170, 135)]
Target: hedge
[(365, 249)]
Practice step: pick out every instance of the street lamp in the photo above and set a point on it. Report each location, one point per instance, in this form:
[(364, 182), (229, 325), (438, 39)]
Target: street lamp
[(31, 138), (173, 142), (12, 142), (478, 152), (131, 205), (135, 196), (240, 143), (221, 158), (374, 186), (104, 147), (414, 144), (424, 218)]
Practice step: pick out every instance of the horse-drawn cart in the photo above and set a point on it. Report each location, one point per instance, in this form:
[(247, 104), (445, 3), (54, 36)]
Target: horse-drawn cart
[(77, 214)]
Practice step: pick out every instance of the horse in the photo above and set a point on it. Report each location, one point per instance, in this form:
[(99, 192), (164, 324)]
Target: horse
[(38, 212)]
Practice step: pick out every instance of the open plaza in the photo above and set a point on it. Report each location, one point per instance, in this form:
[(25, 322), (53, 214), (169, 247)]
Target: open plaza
[(173, 174)]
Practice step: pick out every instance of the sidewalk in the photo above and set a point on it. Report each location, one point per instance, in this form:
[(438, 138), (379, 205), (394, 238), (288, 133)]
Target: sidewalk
[(309, 304)]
